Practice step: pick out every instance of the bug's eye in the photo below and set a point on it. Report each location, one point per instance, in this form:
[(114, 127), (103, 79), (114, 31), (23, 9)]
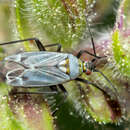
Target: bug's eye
[(88, 72)]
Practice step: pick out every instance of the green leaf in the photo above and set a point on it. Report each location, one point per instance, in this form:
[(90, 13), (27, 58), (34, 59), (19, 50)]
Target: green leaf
[(121, 56)]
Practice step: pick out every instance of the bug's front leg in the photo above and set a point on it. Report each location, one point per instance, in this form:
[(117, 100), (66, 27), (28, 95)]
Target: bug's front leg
[(81, 52), (93, 46), (91, 83)]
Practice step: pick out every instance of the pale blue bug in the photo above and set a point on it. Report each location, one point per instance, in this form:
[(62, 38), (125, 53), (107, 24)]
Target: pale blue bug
[(52, 69)]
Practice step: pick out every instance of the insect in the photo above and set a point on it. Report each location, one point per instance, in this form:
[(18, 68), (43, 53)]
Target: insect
[(49, 69)]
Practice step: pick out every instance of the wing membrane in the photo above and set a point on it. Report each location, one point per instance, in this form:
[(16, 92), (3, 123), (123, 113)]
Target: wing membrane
[(37, 58), (40, 69)]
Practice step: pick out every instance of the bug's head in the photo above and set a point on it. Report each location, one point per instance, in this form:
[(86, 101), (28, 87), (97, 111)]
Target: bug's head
[(88, 67)]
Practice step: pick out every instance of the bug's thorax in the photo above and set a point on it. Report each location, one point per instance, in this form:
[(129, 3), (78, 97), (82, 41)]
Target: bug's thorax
[(87, 67), (71, 66)]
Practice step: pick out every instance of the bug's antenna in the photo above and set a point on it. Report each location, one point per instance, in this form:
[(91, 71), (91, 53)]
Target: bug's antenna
[(91, 36), (96, 70)]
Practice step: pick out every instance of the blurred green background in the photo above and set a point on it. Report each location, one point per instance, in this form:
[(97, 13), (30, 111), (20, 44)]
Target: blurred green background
[(105, 20)]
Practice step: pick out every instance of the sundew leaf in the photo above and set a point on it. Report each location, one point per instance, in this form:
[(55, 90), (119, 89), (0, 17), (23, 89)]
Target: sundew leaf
[(7, 119), (23, 112), (126, 7), (94, 103), (59, 21), (122, 57), (33, 112), (47, 119), (120, 39), (60, 24), (63, 21), (21, 22)]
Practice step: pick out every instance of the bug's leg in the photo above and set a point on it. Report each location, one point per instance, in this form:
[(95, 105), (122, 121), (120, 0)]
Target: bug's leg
[(81, 52), (38, 43), (54, 92), (106, 95), (54, 88), (14, 91), (63, 90), (105, 77), (83, 95), (96, 86), (93, 45), (91, 83)]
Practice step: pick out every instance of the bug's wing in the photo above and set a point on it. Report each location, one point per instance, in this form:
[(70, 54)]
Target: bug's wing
[(45, 76), (31, 59), (38, 69)]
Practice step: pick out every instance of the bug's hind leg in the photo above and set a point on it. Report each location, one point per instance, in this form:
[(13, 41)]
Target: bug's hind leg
[(38, 43), (40, 46), (15, 91), (31, 93)]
